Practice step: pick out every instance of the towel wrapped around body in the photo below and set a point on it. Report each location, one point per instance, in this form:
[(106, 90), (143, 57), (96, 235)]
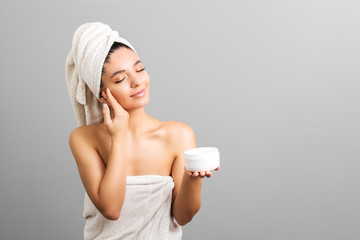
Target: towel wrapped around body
[(145, 214), (146, 211)]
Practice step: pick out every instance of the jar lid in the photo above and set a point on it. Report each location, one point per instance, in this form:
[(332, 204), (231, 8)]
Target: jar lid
[(200, 151)]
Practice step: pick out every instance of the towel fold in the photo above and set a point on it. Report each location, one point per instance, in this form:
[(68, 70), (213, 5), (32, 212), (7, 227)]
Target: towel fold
[(83, 69), (145, 214)]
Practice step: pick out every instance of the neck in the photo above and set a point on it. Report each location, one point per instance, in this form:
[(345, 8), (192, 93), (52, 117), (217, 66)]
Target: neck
[(139, 121)]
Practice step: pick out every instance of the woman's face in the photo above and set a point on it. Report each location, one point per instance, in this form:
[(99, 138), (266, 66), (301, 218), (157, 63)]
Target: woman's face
[(125, 76)]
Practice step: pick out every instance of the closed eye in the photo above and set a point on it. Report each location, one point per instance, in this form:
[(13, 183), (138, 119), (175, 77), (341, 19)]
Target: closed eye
[(124, 78), (120, 80)]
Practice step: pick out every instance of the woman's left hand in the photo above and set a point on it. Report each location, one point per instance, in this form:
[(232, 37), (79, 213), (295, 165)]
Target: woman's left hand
[(202, 174)]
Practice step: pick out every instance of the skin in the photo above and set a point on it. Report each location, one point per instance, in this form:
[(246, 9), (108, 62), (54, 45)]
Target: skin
[(130, 142)]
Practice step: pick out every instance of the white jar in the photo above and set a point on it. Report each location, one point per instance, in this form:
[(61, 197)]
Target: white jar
[(202, 159)]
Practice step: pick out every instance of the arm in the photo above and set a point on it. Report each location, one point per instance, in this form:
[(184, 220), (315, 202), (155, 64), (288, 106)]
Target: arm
[(187, 190), (105, 187)]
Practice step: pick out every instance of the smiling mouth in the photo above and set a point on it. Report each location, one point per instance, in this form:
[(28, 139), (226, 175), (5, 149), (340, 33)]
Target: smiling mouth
[(139, 93)]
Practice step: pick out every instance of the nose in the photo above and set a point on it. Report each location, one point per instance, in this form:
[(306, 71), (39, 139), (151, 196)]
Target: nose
[(135, 80)]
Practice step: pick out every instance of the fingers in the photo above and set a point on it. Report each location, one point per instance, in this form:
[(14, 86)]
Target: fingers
[(201, 174), (193, 174), (106, 113), (112, 102), (103, 98), (106, 108), (110, 98)]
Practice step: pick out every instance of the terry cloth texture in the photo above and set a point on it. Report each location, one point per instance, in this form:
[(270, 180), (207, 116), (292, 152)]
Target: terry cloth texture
[(83, 68), (145, 214)]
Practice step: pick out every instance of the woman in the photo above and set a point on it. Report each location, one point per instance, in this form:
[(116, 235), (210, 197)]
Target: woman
[(131, 164)]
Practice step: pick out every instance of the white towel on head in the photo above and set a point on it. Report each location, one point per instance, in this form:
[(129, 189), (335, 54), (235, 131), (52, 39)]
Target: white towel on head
[(83, 68)]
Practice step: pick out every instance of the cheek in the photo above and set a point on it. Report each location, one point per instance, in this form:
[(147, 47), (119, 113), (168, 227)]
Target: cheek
[(120, 94), (146, 78)]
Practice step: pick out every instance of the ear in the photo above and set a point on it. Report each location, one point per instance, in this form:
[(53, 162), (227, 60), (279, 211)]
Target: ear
[(102, 87), (101, 98), (101, 90)]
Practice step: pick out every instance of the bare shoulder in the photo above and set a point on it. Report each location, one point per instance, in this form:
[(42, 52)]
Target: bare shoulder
[(180, 133), (83, 135), (81, 132), (176, 127)]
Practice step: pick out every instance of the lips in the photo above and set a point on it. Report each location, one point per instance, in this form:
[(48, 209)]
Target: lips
[(138, 92)]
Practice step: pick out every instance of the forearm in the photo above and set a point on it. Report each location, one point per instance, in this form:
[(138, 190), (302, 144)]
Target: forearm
[(188, 200), (113, 185)]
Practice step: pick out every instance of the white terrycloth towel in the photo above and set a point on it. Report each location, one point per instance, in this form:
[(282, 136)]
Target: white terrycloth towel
[(145, 214), (83, 68)]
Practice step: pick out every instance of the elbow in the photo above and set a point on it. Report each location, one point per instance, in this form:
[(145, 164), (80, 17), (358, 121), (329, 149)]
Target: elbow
[(186, 218), (110, 210), (111, 214), (183, 221)]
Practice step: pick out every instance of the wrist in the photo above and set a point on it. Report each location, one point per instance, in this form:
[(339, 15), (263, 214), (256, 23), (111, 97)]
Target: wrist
[(119, 139)]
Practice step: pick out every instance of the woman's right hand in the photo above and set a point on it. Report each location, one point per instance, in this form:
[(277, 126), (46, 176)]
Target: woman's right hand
[(118, 125)]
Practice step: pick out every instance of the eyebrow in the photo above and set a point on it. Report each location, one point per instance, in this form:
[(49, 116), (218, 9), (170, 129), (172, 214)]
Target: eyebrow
[(120, 71)]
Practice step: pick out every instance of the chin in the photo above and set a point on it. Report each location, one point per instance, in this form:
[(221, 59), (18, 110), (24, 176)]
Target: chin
[(141, 104)]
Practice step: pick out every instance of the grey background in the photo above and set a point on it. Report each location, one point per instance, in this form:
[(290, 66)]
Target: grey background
[(273, 84)]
